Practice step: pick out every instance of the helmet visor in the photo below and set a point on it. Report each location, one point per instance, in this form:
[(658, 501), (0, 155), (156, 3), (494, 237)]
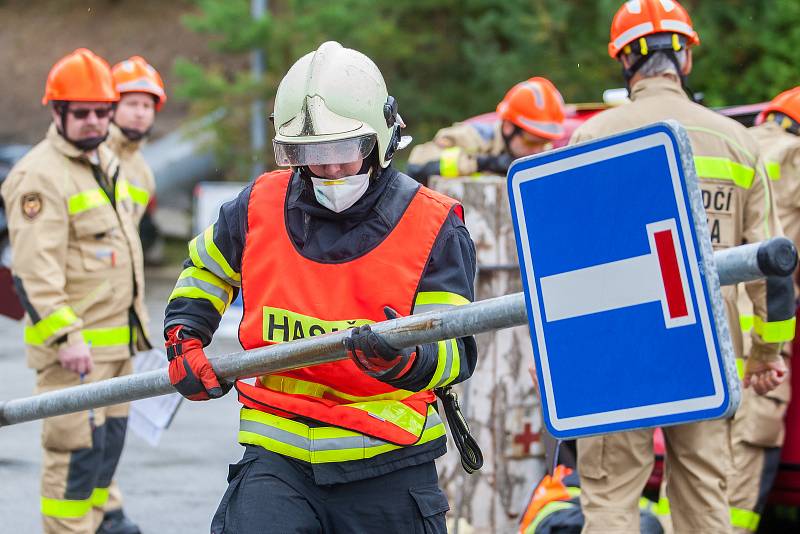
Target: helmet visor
[(323, 153)]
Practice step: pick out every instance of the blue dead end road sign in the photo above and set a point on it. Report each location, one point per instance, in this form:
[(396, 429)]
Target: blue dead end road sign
[(625, 310)]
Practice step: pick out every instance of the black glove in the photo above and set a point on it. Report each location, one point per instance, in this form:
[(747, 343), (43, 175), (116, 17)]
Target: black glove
[(495, 164), (374, 355), (422, 172)]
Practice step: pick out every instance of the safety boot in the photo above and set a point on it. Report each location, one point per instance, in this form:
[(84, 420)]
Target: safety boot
[(115, 522)]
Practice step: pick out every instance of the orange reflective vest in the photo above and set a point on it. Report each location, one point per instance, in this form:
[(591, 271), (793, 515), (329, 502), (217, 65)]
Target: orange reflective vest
[(288, 296)]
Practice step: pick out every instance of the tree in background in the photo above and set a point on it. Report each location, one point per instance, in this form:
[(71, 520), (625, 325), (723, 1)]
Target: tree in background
[(446, 60)]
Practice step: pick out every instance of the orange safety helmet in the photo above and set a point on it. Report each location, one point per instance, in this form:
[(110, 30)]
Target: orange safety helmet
[(536, 106), (81, 76), (551, 488), (637, 19), (787, 103), (136, 75)]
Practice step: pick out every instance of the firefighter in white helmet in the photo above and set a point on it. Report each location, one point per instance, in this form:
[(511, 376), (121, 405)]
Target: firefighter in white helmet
[(338, 240)]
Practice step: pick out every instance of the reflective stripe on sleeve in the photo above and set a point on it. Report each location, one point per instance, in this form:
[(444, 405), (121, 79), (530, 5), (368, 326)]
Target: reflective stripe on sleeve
[(321, 444), (99, 497), (98, 337), (49, 326), (204, 253), (746, 519), (200, 284), (774, 331), (436, 300), (138, 195), (448, 364), (740, 365), (86, 200), (448, 162), (65, 508), (724, 169), (773, 170), (746, 322)]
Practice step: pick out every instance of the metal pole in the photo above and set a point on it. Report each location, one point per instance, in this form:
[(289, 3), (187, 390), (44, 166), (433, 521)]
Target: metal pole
[(475, 318), (258, 133)]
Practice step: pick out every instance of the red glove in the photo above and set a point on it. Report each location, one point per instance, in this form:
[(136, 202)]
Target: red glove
[(189, 370)]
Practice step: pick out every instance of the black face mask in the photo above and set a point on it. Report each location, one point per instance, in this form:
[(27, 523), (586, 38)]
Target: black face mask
[(87, 144), (134, 135)]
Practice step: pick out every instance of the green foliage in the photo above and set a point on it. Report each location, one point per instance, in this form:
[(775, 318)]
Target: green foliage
[(446, 60)]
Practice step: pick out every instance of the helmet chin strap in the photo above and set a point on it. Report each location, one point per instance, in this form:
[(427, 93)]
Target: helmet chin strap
[(132, 134), (84, 145)]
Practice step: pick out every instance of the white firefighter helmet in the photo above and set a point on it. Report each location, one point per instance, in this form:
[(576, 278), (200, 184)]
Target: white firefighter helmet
[(332, 107)]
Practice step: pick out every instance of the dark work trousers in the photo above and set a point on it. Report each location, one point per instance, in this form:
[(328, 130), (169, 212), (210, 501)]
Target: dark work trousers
[(268, 492)]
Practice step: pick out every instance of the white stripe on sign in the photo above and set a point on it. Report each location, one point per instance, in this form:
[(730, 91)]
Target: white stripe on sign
[(655, 277)]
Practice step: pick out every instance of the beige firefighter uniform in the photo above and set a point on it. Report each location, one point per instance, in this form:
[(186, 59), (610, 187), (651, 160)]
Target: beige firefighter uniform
[(614, 468), (77, 263), (758, 429), (141, 182), (457, 148)]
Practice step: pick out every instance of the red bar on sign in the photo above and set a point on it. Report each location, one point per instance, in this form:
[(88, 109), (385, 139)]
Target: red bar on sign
[(670, 274)]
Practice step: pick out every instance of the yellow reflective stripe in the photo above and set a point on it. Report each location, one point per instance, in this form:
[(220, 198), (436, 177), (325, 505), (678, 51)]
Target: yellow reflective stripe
[(321, 444), (448, 364), (394, 412), (773, 170), (775, 331), (294, 386), (138, 194), (199, 283), (204, 253), (573, 491), (217, 256), (548, 509), (746, 322), (425, 298), (661, 507), (99, 497), (65, 508), (448, 162), (86, 200), (122, 190), (740, 365), (746, 519), (107, 337), (40, 332), (281, 325), (725, 169), (197, 293)]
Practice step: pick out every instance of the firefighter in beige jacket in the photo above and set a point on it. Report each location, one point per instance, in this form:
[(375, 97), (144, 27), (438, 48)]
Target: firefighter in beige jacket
[(529, 118), (77, 265), (652, 40), (141, 95), (758, 428)]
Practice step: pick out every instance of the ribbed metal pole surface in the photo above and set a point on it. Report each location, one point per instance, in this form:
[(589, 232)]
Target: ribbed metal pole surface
[(737, 265)]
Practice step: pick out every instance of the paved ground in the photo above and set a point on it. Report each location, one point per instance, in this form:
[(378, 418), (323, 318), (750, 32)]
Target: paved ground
[(173, 488)]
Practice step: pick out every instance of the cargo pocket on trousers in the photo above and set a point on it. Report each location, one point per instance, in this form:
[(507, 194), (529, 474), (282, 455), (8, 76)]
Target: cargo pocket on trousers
[(432, 505), (763, 424), (591, 457), (236, 473)]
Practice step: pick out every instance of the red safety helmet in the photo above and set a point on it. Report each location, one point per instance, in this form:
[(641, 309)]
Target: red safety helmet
[(81, 76), (536, 106)]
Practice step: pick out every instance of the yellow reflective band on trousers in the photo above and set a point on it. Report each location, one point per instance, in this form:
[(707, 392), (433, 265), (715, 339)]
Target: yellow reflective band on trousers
[(740, 518), (746, 519), (99, 497), (322, 444), (204, 253), (294, 386), (40, 332), (86, 200), (195, 283), (65, 508), (138, 195), (775, 331), (448, 162), (448, 364), (773, 170), (724, 169)]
